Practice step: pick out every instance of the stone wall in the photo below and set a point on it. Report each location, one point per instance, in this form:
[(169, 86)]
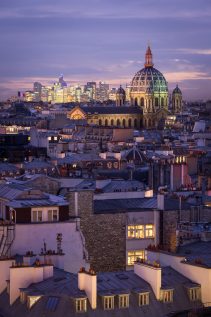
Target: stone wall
[(170, 220), (104, 234), (169, 227)]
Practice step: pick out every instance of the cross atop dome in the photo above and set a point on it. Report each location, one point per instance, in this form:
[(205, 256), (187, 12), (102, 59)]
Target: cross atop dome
[(148, 58)]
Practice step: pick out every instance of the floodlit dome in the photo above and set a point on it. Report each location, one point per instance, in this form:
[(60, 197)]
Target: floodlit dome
[(149, 90), (149, 79)]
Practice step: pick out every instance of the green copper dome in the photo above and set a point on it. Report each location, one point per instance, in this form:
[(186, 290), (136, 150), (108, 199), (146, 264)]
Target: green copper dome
[(149, 80)]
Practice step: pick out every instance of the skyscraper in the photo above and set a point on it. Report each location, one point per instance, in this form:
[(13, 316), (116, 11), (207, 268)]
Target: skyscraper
[(102, 91), (37, 91)]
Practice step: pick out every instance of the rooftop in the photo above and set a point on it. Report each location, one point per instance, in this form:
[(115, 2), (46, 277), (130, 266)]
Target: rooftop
[(62, 289), (197, 252), (124, 205)]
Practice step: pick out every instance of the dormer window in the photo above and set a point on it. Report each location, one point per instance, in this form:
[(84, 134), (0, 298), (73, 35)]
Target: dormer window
[(81, 305), (108, 302), (194, 293), (143, 299), (32, 300), (124, 301), (23, 296), (166, 296)]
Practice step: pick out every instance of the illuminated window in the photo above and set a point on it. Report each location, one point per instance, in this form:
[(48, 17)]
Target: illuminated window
[(53, 215), (143, 299), (80, 305), (167, 296), (140, 231), (37, 216), (31, 300), (124, 301), (136, 231), (133, 256), (108, 302), (149, 231), (194, 293)]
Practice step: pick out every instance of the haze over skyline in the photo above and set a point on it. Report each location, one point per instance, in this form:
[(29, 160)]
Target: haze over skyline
[(105, 40)]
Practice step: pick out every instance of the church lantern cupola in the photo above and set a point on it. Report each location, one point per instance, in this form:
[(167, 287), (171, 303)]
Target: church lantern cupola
[(120, 96), (148, 58), (176, 100)]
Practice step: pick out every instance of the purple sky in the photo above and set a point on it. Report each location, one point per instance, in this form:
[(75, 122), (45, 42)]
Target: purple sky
[(104, 40)]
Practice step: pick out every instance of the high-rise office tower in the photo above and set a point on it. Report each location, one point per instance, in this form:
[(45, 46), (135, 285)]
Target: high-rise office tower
[(37, 91), (102, 91), (90, 88)]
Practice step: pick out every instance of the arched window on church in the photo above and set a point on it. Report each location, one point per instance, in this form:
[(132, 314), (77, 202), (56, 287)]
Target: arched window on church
[(136, 101), (141, 122), (100, 122), (106, 122), (162, 102), (124, 123), (112, 122), (150, 123), (156, 102), (129, 123), (135, 123), (118, 123), (142, 102)]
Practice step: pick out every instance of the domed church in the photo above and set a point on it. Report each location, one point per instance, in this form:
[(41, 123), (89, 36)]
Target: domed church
[(149, 102), (149, 90)]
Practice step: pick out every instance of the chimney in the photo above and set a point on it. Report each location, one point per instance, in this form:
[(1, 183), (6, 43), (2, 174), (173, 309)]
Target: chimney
[(76, 203), (151, 274), (87, 281), (5, 265), (22, 277), (160, 201)]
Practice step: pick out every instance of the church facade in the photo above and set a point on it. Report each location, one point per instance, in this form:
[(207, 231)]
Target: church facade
[(122, 116), (149, 102)]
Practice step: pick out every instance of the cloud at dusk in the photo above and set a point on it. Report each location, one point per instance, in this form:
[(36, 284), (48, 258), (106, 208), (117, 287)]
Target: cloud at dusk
[(104, 40)]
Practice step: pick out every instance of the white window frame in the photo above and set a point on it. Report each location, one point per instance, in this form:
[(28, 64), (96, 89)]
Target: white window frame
[(37, 211), (124, 301), (23, 297), (143, 299), (167, 296), (53, 213), (108, 302), (81, 305), (194, 293), (136, 254)]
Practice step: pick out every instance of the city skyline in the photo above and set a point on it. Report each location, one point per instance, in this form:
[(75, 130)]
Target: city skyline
[(105, 41)]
